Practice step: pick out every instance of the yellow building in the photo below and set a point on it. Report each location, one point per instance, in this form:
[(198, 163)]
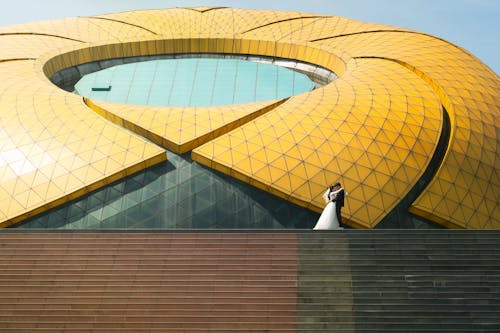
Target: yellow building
[(404, 120)]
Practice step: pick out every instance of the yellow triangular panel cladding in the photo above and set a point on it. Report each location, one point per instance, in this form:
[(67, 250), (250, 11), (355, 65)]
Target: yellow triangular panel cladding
[(469, 92), (351, 154), (375, 129), (52, 149), (181, 129)]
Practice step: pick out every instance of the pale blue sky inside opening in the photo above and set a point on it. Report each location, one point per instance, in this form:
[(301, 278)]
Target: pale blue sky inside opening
[(193, 82)]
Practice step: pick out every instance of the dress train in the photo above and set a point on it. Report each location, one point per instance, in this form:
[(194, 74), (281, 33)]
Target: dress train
[(328, 218)]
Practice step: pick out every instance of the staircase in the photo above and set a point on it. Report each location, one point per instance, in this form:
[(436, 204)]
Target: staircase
[(399, 281), (144, 282), (250, 281)]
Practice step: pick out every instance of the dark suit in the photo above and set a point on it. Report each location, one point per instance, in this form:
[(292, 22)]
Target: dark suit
[(339, 203)]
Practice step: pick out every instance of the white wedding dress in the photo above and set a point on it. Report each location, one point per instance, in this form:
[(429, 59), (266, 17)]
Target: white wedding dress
[(328, 219)]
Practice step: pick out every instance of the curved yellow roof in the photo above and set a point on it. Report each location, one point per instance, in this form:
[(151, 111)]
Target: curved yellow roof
[(375, 129)]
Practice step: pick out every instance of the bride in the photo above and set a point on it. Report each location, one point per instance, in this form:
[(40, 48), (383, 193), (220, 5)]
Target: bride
[(328, 218)]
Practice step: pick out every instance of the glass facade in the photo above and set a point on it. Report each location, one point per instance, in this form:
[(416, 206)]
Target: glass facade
[(177, 193), (192, 82), (377, 128)]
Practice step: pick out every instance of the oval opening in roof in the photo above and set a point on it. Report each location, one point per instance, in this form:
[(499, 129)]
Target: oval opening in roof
[(193, 82)]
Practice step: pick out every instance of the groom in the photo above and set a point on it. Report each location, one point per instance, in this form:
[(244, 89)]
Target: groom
[(338, 198)]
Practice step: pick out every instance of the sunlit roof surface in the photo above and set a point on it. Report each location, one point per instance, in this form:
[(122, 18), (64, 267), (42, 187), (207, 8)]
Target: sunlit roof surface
[(399, 95)]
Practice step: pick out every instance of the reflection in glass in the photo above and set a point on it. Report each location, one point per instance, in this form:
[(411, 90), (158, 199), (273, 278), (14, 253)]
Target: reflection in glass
[(178, 193)]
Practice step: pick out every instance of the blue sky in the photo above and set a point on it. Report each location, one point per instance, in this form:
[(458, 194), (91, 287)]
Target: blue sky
[(471, 24)]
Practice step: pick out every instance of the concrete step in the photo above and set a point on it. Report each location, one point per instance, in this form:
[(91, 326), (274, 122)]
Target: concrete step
[(342, 281)]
